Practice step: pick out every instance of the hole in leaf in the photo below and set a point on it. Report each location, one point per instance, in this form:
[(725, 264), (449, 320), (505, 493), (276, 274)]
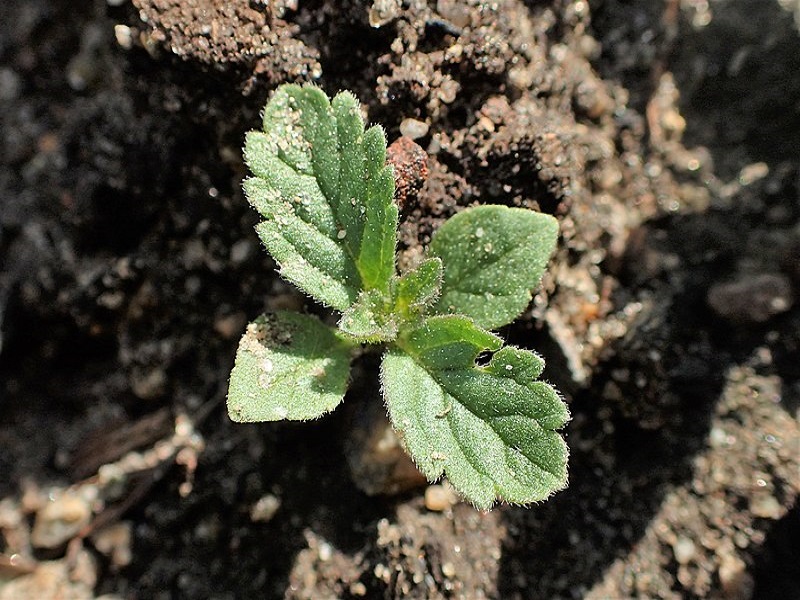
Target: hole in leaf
[(483, 358)]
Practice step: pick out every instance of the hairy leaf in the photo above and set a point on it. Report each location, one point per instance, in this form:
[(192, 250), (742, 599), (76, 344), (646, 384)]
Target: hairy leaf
[(370, 319), (493, 257), (376, 317), (490, 429), (418, 289), (324, 190), (288, 366)]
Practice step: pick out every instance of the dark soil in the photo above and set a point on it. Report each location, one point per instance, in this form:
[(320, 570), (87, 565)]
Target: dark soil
[(662, 135)]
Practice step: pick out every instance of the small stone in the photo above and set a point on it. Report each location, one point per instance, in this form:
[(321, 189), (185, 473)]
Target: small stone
[(448, 570), (33, 497), (684, 550), (266, 507), (383, 12), (454, 52), (456, 12), (439, 498), (114, 542), (448, 90), (325, 551), (735, 581), (410, 164), (60, 520), (766, 507), (485, 124), (673, 122), (240, 251), (414, 129), (521, 77), (717, 437), (10, 514), (124, 36), (753, 172), (111, 300), (230, 326), (358, 589), (148, 385)]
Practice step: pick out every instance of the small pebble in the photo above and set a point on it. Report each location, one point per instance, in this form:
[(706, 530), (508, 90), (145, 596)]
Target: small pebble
[(325, 551), (114, 541), (383, 12), (124, 36), (149, 384), (448, 570), (766, 507), (439, 498), (410, 164), (753, 172), (263, 510), (240, 251), (458, 13), (230, 326), (733, 577), (60, 520), (684, 550), (414, 129), (358, 589)]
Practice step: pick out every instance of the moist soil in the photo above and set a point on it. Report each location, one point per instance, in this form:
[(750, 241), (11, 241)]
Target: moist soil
[(662, 135)]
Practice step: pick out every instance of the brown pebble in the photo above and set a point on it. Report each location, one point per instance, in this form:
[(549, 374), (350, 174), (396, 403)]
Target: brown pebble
[(410, 164)]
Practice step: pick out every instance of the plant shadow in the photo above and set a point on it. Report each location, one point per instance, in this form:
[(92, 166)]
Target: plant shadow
[(636, 430)]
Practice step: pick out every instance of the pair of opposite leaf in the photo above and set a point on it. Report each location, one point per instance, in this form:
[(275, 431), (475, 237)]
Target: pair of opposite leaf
[(326, 194)]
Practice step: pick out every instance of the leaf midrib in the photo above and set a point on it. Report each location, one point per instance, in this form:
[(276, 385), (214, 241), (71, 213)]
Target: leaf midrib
[(348, 250)]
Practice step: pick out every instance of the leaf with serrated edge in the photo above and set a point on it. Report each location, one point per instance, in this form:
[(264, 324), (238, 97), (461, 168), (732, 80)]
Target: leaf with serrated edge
[(288, 366), (322, 185), (490, 429), (493, 257)]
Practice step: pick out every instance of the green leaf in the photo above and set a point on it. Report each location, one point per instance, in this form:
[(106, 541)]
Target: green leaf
[(490, 429), (288, 366), (493, 257), (322, 185), (418, 289), (371, 319), (377, 318)]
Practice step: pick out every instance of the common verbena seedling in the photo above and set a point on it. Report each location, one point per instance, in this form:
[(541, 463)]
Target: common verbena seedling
[(321, 183)]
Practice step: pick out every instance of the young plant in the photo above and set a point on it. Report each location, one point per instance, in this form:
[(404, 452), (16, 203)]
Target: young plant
[(463, 404)]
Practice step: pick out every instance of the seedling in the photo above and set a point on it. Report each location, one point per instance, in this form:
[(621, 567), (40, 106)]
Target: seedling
[(464, 405)]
